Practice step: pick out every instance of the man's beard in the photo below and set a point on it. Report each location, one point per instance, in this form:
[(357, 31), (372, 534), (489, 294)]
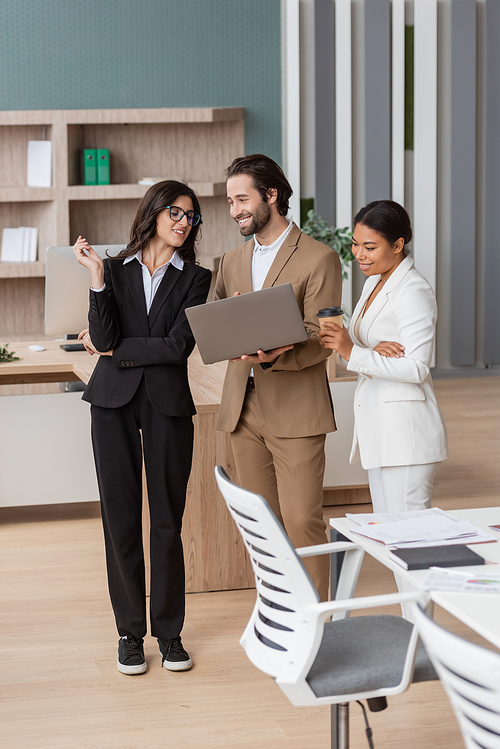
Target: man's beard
[(259, 220)]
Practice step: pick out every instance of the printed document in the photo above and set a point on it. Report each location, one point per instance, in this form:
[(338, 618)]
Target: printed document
[(438, 578), (420, 529)]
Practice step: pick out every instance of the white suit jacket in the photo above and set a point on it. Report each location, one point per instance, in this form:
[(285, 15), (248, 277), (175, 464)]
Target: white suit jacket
[(396, 417)]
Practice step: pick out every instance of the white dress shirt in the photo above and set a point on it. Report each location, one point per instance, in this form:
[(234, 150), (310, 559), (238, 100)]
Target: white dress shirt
[(263, 257), (151, 282)]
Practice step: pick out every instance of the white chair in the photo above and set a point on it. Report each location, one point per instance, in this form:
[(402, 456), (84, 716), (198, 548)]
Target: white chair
[(471, 677), (289, 636)]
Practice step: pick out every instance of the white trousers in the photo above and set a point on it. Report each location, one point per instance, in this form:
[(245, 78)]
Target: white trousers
[(402, 488)]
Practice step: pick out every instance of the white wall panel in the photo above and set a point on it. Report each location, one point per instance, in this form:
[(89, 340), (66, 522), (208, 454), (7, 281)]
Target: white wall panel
[(398, 102), (324, 107), (46, 454), (291, 113), (338, 470), (343, 125), (377, 100), (343, 112), (425, 143)]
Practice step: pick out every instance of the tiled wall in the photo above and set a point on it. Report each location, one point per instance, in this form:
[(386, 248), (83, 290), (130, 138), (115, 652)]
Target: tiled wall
[(92, 54)]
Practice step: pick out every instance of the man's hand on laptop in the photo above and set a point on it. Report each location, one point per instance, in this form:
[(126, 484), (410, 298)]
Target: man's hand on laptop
[(264, 357)]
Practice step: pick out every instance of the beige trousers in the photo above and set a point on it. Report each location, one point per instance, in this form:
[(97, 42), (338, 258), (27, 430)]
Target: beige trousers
[(288, 473)]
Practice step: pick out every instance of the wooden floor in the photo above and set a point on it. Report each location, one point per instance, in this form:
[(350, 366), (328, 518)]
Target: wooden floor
[(59, 683)]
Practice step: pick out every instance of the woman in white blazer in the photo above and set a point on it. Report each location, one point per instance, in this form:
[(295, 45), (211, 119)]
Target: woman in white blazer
[(399, 433)]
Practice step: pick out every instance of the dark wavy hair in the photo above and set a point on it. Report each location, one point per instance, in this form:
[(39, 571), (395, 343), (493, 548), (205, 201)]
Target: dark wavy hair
[(157, 198), (266, 174), (387, 218)]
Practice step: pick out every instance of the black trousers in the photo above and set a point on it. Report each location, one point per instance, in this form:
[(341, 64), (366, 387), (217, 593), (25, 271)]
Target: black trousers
[(167, 443)]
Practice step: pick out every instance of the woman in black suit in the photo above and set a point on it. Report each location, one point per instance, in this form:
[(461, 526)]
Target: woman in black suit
[(138, 326)]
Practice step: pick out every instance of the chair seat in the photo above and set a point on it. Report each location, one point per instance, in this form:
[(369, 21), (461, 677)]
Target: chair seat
[(368, 653)]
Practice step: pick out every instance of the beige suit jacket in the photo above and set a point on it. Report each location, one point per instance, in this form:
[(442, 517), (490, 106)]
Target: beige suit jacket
[(294, 395)]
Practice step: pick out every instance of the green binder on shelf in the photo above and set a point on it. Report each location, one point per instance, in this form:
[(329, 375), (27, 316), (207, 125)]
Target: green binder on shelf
[(89, 166), (102, 155)]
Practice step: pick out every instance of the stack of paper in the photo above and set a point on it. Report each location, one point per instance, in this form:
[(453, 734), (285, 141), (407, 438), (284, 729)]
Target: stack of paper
[(374, 518), (418, 529), (19, 245)]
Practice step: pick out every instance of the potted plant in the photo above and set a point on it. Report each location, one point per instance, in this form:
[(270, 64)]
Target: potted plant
[(339, 239)]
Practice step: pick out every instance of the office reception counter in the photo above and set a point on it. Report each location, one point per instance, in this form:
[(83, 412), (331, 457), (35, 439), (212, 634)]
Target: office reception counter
[(50, 458), (47, 457)]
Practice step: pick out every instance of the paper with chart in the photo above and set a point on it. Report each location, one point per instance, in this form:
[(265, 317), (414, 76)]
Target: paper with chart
[(484, 581)]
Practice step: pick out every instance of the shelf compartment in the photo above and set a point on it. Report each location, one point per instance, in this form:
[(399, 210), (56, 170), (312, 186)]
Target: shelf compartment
[(41, 214), (219, 232), (14, 151), (198, 152), (22, 303), (102, 221), (109, 222)]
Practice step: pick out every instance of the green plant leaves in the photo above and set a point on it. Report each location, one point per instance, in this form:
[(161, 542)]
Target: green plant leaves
[(339, 239), (7, 356)]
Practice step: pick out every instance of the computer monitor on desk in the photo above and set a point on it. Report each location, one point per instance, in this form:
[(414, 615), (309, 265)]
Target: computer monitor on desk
[(67, 286)]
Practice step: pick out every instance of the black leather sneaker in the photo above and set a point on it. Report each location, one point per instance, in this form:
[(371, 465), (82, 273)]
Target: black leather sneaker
[(174, 657), (131, 656)]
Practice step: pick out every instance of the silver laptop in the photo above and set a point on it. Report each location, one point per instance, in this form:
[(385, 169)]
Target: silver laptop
[(67, 285), (238, 325)]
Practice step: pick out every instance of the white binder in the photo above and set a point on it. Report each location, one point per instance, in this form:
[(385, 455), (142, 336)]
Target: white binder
[(39, 163)]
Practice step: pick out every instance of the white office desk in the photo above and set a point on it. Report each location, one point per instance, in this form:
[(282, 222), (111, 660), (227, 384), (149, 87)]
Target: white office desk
[(480, 612)]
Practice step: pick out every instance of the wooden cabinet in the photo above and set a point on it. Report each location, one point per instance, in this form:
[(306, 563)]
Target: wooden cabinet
[(192, 144)]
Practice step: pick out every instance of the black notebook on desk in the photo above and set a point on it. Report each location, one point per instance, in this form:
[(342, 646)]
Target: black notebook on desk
[(457, 555)]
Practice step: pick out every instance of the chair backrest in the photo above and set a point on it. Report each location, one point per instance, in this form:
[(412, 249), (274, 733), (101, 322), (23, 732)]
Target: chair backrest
[(276, 634), (471, 677)]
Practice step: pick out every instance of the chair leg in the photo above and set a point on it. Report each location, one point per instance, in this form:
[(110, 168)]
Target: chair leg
[(340, 726), (339, 713)]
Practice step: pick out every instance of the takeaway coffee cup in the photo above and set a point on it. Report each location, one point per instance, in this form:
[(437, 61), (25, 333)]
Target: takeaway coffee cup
[(332, 314)]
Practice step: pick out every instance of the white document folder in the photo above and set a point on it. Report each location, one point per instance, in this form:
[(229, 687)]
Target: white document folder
[(39, 163)]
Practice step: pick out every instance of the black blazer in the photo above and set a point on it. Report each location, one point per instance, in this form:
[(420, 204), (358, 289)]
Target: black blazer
[(155, 346)]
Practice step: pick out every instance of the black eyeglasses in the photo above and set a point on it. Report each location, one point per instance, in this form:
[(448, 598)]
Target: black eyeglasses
[(177, 214)]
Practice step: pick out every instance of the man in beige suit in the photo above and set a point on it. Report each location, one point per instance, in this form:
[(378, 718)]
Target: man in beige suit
[(277, 404)]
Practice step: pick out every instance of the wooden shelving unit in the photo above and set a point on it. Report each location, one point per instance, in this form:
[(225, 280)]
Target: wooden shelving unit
[(192, 144)]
